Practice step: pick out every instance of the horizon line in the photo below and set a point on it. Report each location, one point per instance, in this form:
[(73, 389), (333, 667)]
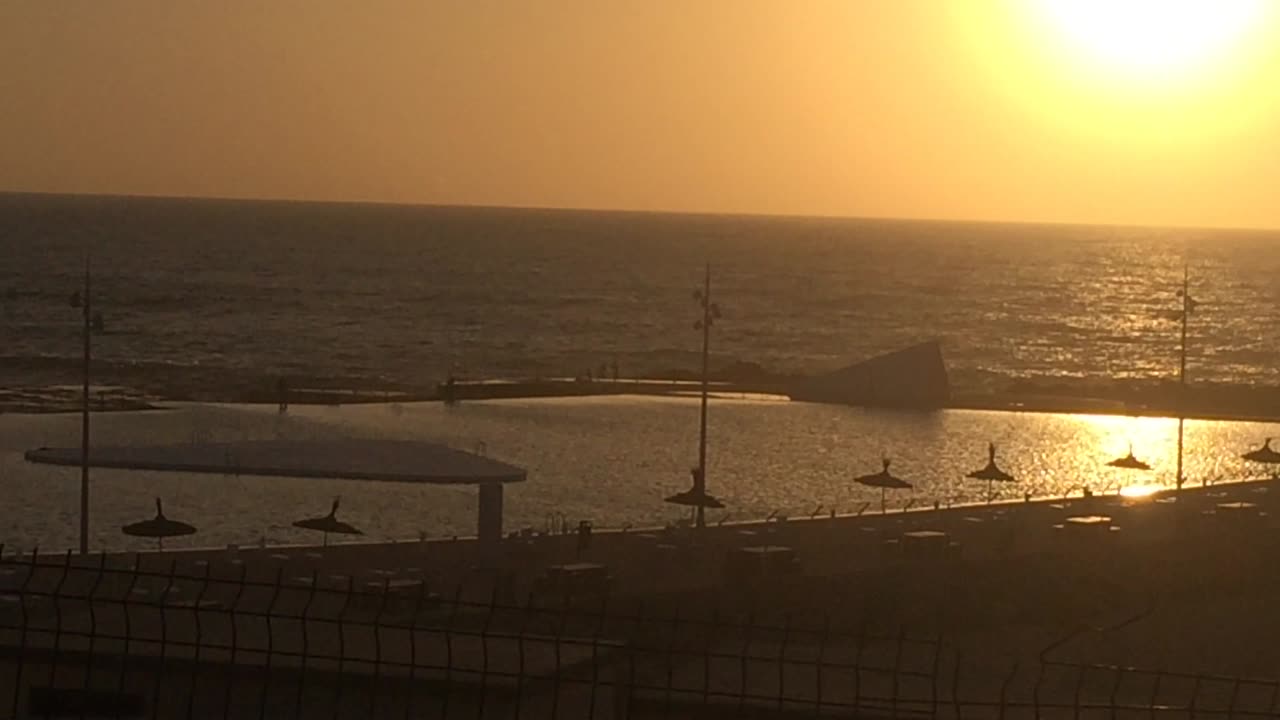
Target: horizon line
[(635, 211)]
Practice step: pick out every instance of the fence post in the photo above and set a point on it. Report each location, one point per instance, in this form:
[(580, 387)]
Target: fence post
[(782, 661), (670, 657), (1115, 690), (22, 636), (377, 648), (57, 614), (128, 622), (1035, 689), (1004, 690), (93, 618), (595, 654), (708, 651), (897, 670), (636, 632), (859, 646), (937, 670), (196, 606), (560, 633), (300, 701), (821, 663), (520, 653), (413, 650), (745, 663), (1193, 706), (1235, 693), (271, 645), (1155, 695), (484, 655), (232, 609), (448, 649), (342, 645), (162, 606), (1080, 675)]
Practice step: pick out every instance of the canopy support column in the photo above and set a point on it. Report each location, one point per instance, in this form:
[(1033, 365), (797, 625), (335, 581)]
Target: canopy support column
[(489, 524)]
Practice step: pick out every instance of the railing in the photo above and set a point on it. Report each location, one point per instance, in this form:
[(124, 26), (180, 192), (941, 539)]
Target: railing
[(81, 633)]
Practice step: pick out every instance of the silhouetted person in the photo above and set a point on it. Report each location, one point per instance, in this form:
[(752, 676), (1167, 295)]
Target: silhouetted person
[(282, 395)]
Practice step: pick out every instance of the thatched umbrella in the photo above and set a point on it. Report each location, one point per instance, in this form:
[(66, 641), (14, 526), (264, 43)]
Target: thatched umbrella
[(885, 481), (695, 497), (1264, 455), (329, 524), (1129, 462), (158, 527), (991, 473)]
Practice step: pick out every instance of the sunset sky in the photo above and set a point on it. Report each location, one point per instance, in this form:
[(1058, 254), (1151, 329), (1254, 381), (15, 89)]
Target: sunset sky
[(1167, 113)]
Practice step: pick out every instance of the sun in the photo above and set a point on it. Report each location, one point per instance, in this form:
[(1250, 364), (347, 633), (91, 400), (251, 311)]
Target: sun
[(1155, 40)]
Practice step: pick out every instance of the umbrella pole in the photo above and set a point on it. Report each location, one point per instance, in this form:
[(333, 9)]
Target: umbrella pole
[(325, 541), (991, 491), (160, 543), (884, 501)]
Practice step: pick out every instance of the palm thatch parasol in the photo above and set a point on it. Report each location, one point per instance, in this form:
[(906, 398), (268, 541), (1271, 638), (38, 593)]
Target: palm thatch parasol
[(329, 524), (1264, 455), (1129, 462), (885, 481), (695, 497), (158, 527), (991, 473)]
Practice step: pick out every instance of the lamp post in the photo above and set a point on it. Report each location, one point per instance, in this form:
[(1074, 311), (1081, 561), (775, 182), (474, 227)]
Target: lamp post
[(85, 303), (1188, 304), (710, 313)]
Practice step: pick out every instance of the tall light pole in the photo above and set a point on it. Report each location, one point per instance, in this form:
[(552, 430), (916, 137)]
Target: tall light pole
[(85, 303), (1188, 304), (710, 313)]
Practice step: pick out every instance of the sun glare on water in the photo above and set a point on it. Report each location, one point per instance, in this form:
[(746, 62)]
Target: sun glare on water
[(1153, 39), (1140, 491)]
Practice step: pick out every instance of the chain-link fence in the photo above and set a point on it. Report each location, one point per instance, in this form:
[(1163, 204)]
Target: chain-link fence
[(93, 637)]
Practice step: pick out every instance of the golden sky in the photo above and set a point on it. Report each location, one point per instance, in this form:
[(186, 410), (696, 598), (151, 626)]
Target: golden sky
[(984, 109)]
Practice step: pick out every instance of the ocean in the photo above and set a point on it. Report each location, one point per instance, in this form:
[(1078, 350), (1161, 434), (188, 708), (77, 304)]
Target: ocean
[(384, 294), (409, 294)]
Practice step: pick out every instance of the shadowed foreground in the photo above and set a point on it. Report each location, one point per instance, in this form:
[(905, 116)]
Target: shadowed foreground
[(1162, 617)]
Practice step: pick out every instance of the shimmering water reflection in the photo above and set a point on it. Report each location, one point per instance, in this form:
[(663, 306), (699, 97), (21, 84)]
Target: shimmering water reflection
[(608, 459)]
